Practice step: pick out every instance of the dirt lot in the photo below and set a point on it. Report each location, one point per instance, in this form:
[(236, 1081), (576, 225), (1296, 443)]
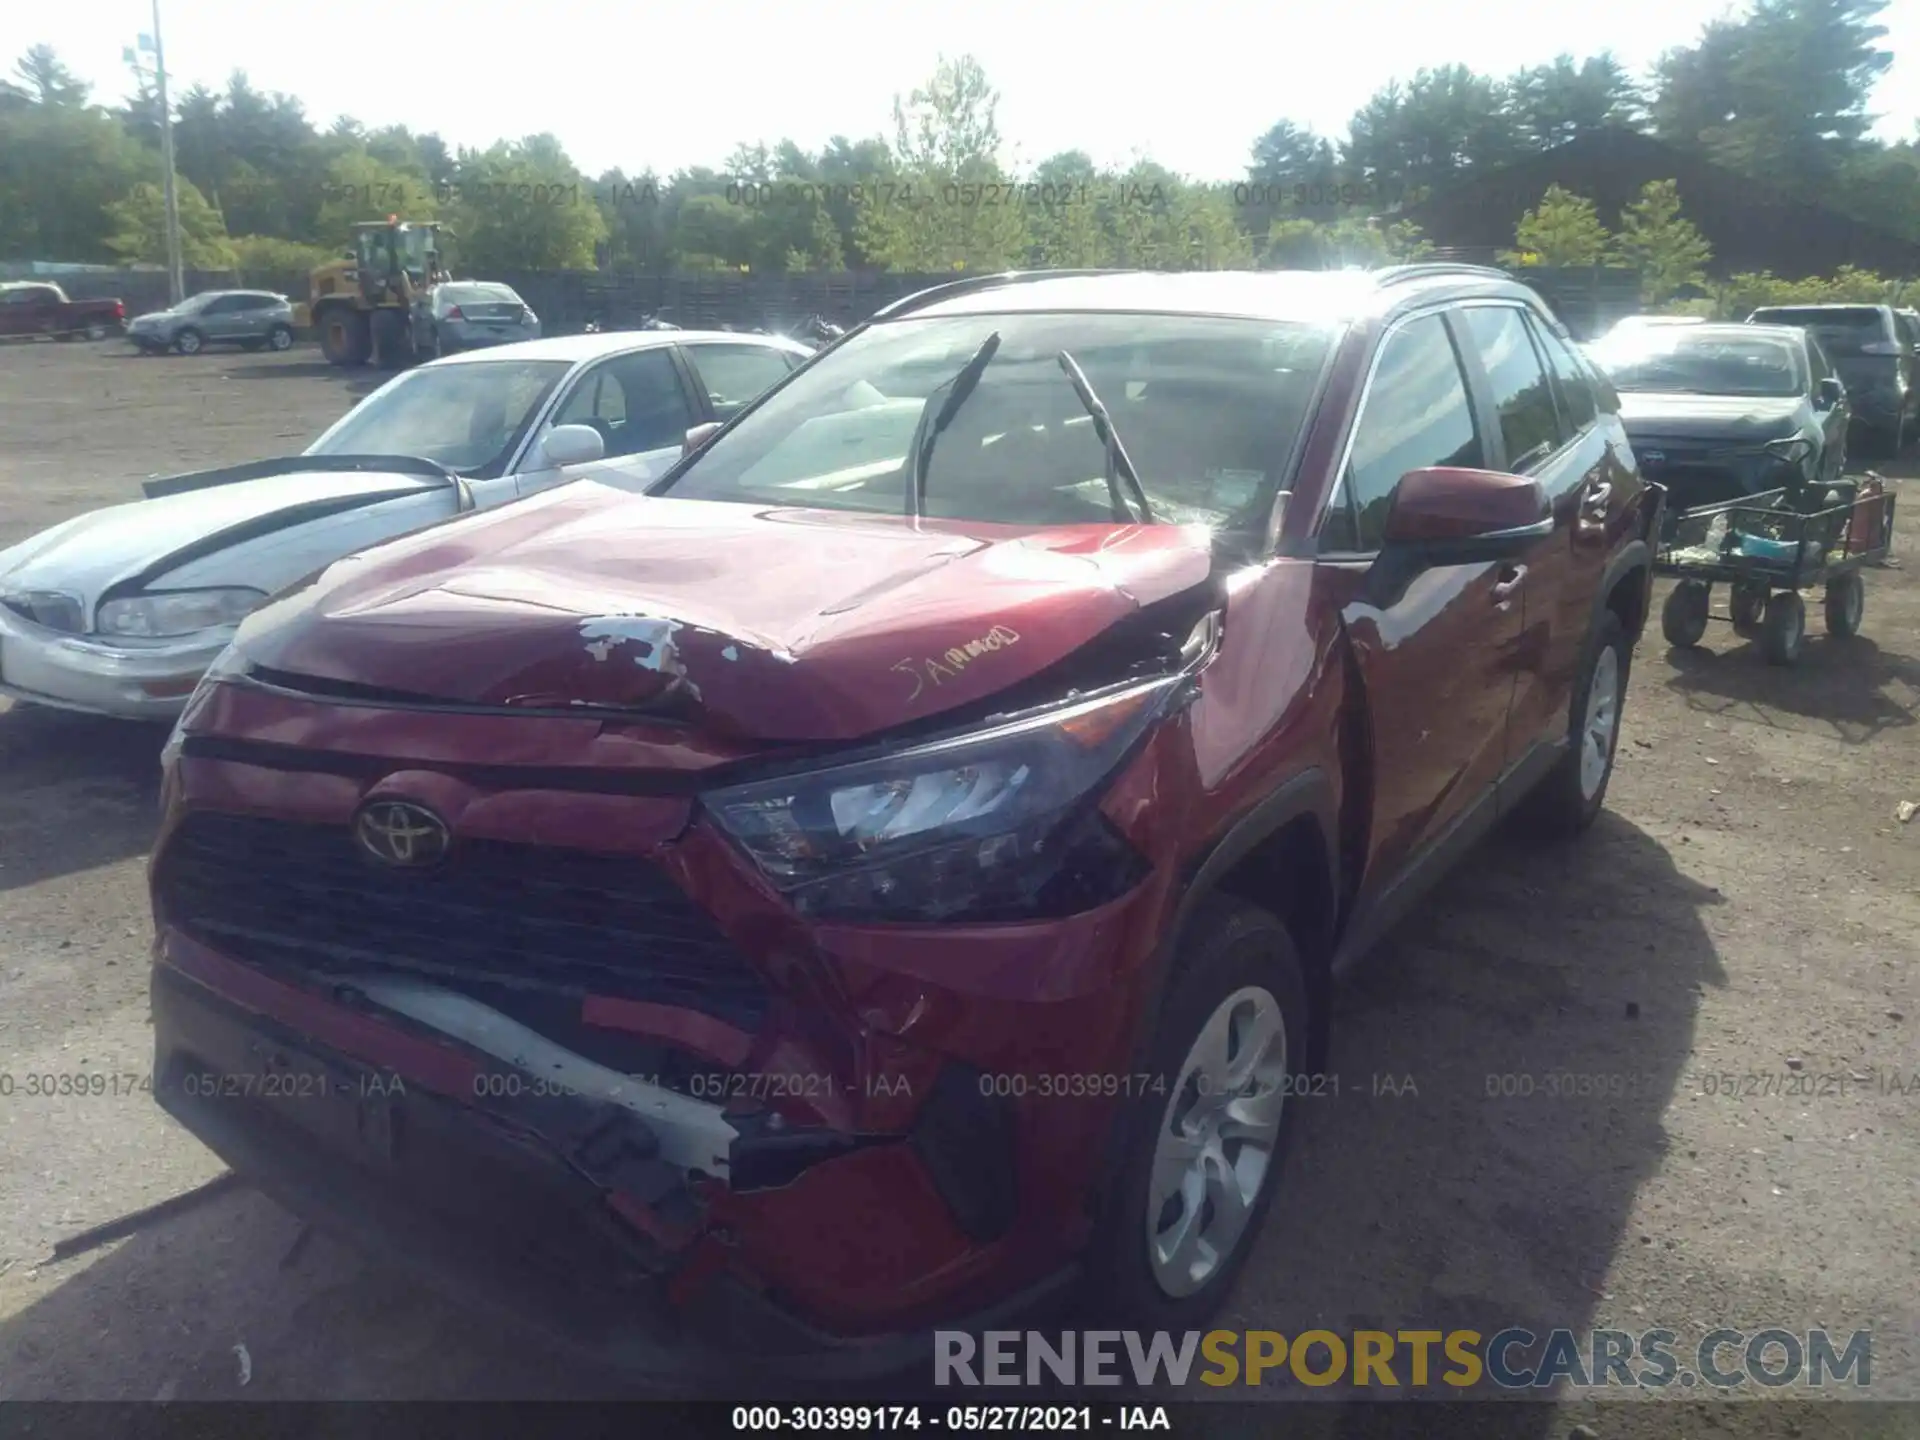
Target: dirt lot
[(1750, 908)]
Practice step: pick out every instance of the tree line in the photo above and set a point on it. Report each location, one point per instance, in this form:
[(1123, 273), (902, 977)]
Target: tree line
[(1780, 93)]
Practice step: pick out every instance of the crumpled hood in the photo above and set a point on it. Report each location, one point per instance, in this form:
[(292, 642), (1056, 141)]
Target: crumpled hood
[(86, 555), (1730, 419), (770, 624)]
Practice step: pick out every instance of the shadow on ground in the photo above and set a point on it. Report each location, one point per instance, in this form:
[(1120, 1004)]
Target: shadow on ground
[(80, 792), (1855, 687)]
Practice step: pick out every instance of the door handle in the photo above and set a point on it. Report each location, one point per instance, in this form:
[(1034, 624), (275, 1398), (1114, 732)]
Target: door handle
[(1511, 578)]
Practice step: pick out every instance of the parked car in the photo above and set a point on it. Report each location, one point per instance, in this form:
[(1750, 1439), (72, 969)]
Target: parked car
[(1720, 412), (890, 873), (465, 314), (120, 611), (251, 319), (39, 307), (1631, 323), (1877, 352)]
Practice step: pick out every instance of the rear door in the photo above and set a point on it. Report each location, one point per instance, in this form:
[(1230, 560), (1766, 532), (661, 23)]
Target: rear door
[(1435, 646), (732, 375), (1533, 432)]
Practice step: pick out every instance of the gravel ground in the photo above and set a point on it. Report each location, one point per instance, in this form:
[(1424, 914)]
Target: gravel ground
[(1750, 907)]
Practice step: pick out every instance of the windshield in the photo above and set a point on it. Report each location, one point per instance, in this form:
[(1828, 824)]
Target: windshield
[(1684, 360), (1841, 332), (477, 294), (194, 304), (1207, 409), (468, 416)]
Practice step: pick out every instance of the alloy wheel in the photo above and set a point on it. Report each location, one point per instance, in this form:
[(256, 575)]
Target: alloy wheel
[(1215, 1144), (1602, 719)]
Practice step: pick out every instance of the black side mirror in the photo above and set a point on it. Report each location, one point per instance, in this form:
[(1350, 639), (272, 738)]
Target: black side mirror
[(1829, 394)]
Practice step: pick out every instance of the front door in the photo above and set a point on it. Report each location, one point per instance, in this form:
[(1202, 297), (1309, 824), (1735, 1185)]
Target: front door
[(1435, 645), (640, 407)]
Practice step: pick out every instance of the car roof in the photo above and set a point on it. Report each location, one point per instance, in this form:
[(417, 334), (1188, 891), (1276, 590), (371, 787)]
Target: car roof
[(1303, 295), (1823, 305), (578, 348)]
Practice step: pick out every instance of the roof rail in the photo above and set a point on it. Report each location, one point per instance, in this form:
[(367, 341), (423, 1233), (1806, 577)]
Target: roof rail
[(920, 299), (1395, 274)]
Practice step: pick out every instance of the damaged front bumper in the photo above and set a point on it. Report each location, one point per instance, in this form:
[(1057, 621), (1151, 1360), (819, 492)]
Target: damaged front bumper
[(100, 677), (597, 1208)]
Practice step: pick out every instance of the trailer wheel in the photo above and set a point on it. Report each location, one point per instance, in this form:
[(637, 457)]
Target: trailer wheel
[(1784, 628), (1683, 619), (1846, 603), (1747, 603)]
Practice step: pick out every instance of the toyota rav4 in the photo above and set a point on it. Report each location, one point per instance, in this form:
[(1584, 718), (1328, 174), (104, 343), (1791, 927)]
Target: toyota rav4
[(891, 874)]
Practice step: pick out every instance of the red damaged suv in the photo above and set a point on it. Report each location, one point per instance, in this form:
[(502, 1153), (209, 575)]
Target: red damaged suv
[(893, 872)]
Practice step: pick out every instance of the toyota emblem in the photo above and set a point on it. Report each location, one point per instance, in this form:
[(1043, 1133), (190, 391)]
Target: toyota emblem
[(398, 832)]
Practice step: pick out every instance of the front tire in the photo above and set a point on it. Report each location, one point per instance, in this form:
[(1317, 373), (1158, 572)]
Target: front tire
[(189, 341), (1201, 1161)]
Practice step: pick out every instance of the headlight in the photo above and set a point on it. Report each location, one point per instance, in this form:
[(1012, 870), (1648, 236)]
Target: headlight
[(1793, 451), (993, 826), (180, 612)]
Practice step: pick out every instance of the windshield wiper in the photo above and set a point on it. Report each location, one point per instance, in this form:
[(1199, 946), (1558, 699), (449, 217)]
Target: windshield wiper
[(959, 388), (1118, 461)]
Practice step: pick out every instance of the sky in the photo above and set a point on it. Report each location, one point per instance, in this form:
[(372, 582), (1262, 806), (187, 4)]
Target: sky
[(665, 86)]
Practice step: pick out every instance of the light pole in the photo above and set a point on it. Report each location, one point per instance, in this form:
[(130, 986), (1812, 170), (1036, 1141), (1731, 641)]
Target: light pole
[(176, 282)]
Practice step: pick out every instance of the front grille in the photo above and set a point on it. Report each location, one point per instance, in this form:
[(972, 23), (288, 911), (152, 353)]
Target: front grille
[(527, 917)]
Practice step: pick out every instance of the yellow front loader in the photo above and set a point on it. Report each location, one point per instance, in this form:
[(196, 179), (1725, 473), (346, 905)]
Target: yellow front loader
[(363, 305)]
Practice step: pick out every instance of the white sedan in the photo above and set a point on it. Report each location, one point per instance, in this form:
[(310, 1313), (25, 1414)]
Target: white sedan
[(119, 612)]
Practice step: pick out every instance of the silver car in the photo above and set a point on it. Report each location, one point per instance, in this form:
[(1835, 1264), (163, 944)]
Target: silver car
[(251, 319), (466, 314)]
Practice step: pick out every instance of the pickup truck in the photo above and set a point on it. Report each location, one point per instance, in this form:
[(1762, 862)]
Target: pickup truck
[(37, 307)]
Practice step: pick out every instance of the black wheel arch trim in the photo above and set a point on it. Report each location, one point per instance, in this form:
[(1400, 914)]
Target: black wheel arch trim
[(1636, 554)]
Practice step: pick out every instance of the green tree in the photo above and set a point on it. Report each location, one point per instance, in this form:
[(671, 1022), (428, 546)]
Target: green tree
[(524, 206), (1562, 230), (1781, 94), (1553, 104), (946, 155), (1670, 254), (1063, 219), (1439, 125), (140, 228), (359, 187), (45, 80), (61, 166)]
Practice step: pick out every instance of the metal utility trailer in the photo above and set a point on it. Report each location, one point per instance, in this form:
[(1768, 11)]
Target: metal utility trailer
[(1767, 549)]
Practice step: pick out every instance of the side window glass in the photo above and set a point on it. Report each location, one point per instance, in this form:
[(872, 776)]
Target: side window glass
[(1415, 414), (736, 374), (1574, 385), (1522, 395), (651, 403), (597, 398)]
